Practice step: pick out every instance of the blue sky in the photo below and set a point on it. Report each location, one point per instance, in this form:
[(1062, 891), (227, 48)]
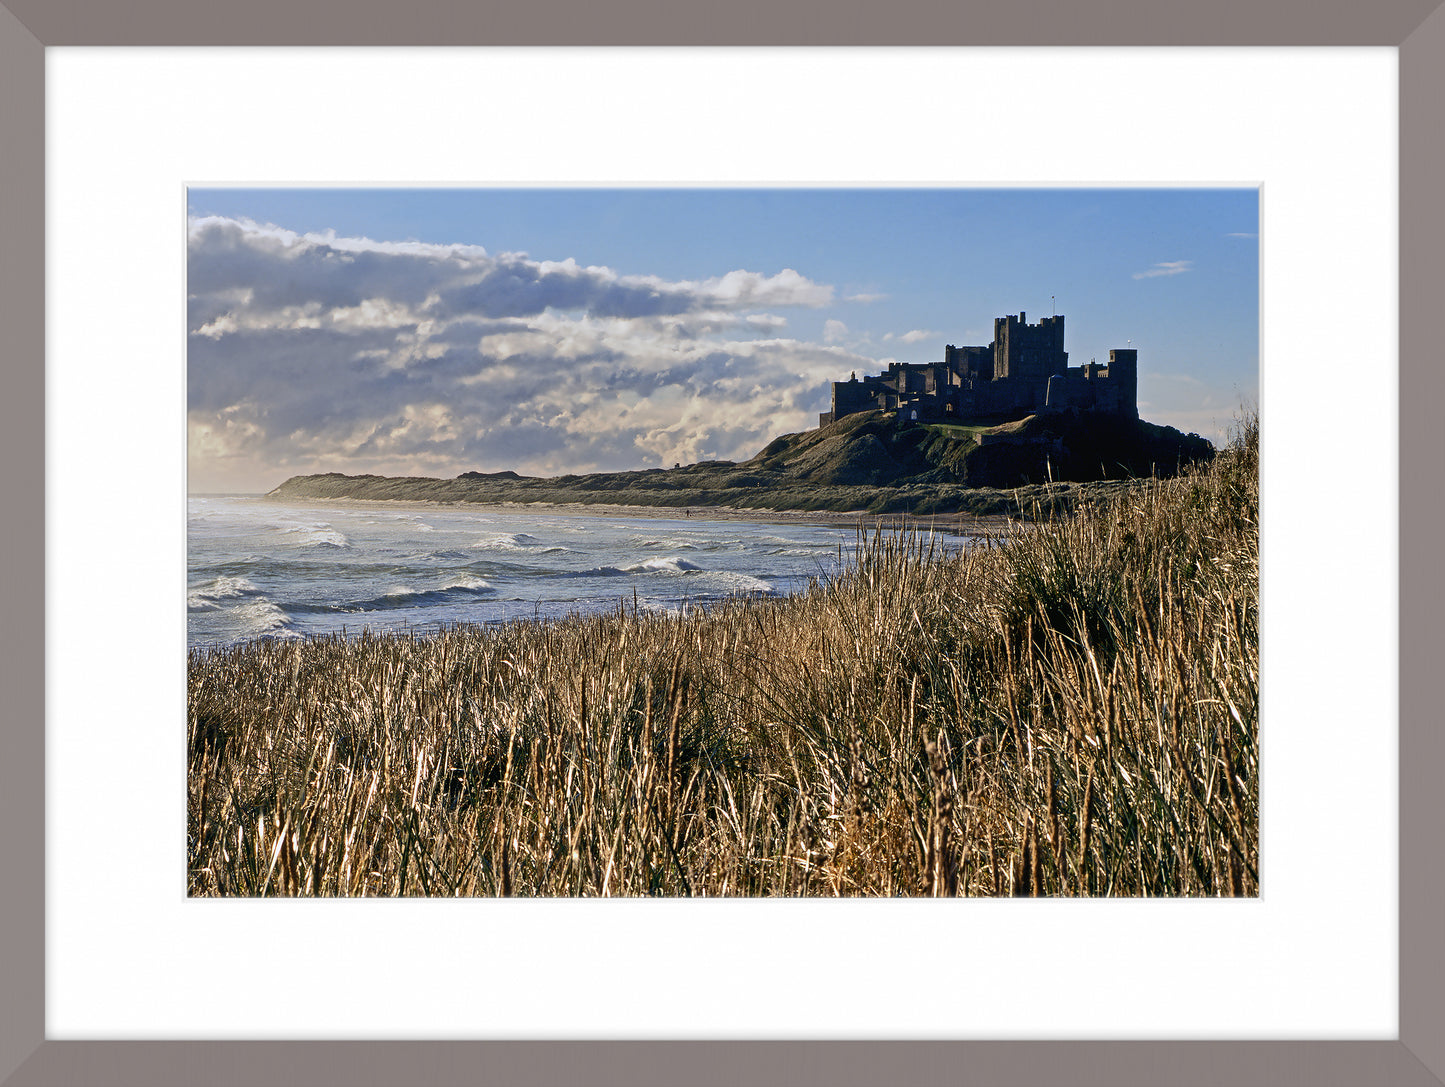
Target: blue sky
[(555, 330)]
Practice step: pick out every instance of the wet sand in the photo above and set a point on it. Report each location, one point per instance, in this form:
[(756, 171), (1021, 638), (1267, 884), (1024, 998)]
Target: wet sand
[(966, 524), (961, 524)]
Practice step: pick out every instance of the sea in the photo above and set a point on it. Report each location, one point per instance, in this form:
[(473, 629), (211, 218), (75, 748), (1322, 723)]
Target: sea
[(259, 568)]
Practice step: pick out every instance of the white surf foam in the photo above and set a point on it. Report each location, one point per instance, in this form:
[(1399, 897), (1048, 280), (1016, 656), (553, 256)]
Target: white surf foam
[(312, 534), (207, 596), (669, 564), (262, 619), (468, 582)]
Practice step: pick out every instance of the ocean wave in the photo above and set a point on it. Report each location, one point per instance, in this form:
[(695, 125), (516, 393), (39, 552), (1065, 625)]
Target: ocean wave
[(320, 570), (261, 618), (459, 588), (468, 583), (516, 541), (513, 541), (743, 583), (403, 596), (670, 564), (312, 534), (669, 545), (207, 597)]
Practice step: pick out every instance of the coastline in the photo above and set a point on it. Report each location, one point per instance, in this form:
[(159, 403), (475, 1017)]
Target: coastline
[(344, 563), (957, 523), (864, 465)]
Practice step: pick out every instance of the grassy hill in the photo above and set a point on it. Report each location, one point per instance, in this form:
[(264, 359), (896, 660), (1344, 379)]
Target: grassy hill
[(870, 462)]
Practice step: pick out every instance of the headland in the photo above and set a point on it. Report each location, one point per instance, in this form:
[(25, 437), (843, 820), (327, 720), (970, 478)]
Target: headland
[(871, 462)]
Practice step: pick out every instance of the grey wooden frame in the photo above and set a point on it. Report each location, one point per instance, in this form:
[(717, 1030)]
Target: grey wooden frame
[(27, 27)]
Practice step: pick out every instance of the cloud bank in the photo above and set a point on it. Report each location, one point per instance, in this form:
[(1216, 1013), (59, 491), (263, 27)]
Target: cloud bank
[(313, 353)]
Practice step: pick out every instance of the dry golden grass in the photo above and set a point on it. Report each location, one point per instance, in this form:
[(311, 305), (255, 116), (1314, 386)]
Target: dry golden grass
[(1073, 711)]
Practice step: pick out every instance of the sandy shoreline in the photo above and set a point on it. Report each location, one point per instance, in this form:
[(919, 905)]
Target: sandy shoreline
[(963, 524)]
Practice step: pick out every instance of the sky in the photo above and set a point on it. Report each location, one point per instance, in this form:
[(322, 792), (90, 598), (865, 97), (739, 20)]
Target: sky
[(548, 331)]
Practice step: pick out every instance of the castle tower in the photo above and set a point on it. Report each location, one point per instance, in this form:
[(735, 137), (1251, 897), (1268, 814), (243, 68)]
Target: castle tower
[(1032, 352), (1124, 375)]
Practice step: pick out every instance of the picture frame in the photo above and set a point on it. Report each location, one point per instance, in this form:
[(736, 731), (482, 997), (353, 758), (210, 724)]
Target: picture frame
[(28, 27)]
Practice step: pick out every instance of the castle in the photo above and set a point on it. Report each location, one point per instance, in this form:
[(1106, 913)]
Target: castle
[(1025, 370)]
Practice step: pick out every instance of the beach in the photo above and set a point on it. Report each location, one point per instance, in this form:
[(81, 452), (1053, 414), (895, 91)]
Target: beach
[(260, 567), (962, 522)]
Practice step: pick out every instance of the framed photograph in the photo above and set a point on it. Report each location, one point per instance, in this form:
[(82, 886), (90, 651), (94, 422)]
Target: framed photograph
[(170, 177), (585, 470)]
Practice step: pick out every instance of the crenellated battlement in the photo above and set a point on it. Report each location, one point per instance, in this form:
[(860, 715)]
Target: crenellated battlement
[(1024, 371)]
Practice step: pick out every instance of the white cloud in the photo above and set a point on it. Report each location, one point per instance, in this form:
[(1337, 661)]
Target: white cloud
[(284, 269), (917, 334), (312, 353), (787, 288), (769, 321), (1166, 268), (834, 331)]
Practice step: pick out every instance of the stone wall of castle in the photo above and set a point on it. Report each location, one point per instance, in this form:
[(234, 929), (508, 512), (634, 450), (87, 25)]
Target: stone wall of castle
[(1025, 370), (1030, 352)]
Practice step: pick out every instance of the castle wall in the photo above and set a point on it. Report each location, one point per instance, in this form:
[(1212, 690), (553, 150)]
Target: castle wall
[(969, 363), (1111, 389), (1024, 370), (850, 397)]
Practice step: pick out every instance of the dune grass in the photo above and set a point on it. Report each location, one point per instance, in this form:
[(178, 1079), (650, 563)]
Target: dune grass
[(1073, 711)]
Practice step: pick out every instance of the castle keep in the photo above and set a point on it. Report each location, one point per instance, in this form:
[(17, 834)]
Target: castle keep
[(1024, 371)]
